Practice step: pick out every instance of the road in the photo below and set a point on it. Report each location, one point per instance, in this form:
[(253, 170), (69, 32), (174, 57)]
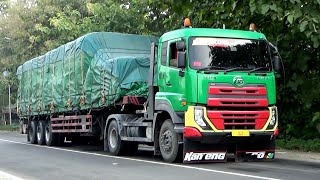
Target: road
[(34, 162)]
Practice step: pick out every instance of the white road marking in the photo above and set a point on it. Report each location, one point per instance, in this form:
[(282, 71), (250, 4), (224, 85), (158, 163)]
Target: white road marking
[(6, 176), (147, 161)]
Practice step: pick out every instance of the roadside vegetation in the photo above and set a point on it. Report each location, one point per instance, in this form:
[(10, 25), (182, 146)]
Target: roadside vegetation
[(311, 145), (13, 127)]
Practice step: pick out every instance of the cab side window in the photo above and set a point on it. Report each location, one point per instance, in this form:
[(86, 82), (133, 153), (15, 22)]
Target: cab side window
[(173, 55), (164, 53)]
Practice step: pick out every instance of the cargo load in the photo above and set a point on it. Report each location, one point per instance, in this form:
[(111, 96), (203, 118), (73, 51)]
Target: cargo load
[(92, 71)]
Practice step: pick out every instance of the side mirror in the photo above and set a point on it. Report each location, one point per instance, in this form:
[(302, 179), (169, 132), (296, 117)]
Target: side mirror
[(276, 63), (181, 45), (181, 59)]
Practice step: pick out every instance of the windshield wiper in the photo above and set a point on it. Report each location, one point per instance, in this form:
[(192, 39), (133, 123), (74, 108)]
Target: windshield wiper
[(211, 68), (232, 69), (256, 69)]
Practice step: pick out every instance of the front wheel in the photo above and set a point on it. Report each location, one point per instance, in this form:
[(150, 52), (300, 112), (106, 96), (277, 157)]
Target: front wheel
[(115, 145), (170, 149)]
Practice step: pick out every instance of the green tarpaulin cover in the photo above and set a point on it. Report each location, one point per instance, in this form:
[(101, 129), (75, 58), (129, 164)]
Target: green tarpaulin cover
[(92, 71)]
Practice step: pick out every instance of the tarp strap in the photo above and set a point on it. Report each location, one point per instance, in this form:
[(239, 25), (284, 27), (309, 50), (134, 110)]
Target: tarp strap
[(102, 75), (82, 98), (69, 84), (29, 87), (19, 108), (52, 80), (82, 75), (41, 88)]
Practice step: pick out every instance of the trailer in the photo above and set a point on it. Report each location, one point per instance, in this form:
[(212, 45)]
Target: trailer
[(194, 94)]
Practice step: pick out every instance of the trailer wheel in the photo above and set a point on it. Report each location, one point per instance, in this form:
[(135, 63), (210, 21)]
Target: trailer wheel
[(21, 127), (32, 132), (115, 145), (170, 150), (51, 138), (41, 132), (24, 129)]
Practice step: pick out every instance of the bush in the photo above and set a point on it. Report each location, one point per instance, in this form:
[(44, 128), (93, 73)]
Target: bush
[(312, 145), (13, 127)]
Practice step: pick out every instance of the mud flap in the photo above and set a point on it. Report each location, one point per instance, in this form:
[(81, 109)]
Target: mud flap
[(196, 152), (255, 152)]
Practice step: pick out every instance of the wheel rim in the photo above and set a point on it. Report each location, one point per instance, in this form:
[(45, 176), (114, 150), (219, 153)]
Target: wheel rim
[(38, 133), (113, 138), (47, 134), (166, 141)]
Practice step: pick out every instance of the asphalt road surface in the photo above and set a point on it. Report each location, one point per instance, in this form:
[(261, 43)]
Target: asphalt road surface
[(26, 161)]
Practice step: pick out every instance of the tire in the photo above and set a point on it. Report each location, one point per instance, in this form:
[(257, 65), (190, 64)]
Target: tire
[(24, 129), (41, 132), (50, 138), (21, 127), (170, 149), (32, 132), (115, 145)]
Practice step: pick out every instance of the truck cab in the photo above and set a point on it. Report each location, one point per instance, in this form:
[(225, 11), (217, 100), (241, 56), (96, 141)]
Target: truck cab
[(220, 88)]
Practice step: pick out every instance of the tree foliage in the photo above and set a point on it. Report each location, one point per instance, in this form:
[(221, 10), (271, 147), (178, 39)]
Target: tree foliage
[(293, 26), (32, 27)]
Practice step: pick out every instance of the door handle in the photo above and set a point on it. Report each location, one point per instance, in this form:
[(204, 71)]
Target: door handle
[(168, 83)]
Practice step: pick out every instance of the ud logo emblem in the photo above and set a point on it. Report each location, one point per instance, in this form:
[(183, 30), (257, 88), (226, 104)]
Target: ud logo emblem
[(238, 81)]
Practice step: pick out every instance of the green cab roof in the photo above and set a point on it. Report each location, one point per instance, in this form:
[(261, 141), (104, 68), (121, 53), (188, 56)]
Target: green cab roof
[(209, 32)]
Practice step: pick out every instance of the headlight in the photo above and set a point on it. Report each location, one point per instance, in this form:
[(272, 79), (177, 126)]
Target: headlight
[(198, 117), (273, 120)]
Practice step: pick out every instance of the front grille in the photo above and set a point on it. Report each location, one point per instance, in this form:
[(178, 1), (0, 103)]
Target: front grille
[(237, 91), (231, 102), (238, 119), (237, 108), (239, 123)]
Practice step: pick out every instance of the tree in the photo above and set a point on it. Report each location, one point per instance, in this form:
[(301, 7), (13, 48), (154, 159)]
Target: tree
[(293, 26)]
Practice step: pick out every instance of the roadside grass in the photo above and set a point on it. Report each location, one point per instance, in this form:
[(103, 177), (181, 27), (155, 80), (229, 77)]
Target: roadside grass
[(13, 127), (311, 145)]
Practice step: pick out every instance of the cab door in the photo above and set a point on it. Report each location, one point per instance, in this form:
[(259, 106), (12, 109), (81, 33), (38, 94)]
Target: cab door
[(170, 83), (173, 81)]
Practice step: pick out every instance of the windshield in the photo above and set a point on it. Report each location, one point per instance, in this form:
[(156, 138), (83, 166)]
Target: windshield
[(222, 53)]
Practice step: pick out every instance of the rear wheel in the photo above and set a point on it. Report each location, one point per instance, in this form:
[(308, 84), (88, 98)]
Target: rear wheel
[(51, 138), (170, 149), (41, 132), (21, 127), (24, 129), (32, 132)]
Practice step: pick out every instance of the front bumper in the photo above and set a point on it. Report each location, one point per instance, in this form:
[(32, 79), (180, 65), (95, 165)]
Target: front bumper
[(209, 144), (227, 138), (210, 134)]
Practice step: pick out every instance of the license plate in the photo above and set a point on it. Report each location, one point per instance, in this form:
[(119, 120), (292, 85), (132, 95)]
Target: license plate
[(240, 133)]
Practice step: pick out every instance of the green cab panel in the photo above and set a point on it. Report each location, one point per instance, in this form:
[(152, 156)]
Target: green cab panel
[(268, 80), (174, 100)]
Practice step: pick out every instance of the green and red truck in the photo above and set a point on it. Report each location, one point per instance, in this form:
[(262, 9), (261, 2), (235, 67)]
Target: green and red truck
[(199, 95)]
